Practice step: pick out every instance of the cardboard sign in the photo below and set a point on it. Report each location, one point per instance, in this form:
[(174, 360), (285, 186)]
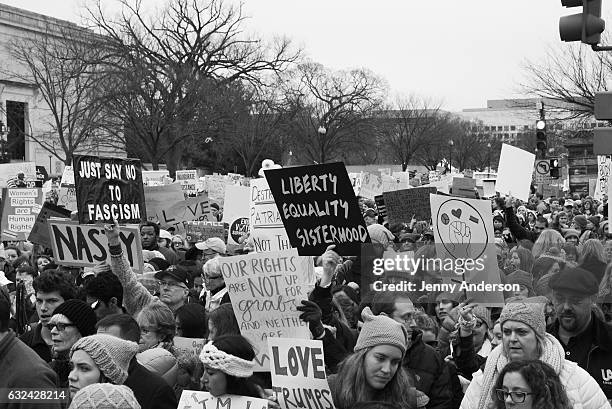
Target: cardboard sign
[(200, 231), (265, 289), (401, 205), (67, 193), (216, 187), (318, 207), (161, 198), (298, 369), (188, 179), (155, 177), (236, 212), (371, 185), (109, 188), (204, 400), (267, 229), (356, 181), (40, 231), (81, 245), (188, 346), (515, 172), (464, 187), (19, 210), (604, 166), (9, 172), (465, 245), (488, 187)]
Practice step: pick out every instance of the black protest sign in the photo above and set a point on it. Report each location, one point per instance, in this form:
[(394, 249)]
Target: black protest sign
[(318, 207), (109, 188), (401, 205), (40, 231), (380, 206)]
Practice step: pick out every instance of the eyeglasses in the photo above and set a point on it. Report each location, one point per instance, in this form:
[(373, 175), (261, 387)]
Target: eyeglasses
[(517, 397), (163, 284), (61, 326)]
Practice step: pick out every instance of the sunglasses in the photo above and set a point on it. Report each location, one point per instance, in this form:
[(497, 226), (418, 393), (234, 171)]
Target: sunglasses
[(61, 326)]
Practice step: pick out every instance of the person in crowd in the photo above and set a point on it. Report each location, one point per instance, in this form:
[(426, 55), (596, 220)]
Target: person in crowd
[(216, 212), (41, 261), (546, 265), (518, 231), (165, 239), (99, 358), (520, 259), (211, 248), (178, 246), (104, 294), (52, 288), (445, 302), (26, 275), (546, 240), (21, 367), (593, 258), (216, 292), (586, 339), (222, 321), (524, 338), (571, 254), (157, 326), (572, 236), (70, 322), (496, 335), (104, 395), (191, 321), (529, 385), (370, 216), (525, 282), (429, 328), (150, 389), (374, 371), (149, 236)]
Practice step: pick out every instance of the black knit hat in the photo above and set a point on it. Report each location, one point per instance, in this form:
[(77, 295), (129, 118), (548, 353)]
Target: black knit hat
[(575, 281), (81, 315)]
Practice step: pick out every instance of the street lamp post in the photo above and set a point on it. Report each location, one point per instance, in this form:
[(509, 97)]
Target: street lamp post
[(321, 132), (450, 155), (489, 155)]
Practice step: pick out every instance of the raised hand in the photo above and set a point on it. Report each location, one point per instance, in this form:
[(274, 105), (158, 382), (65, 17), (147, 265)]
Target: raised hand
[(112, 233)]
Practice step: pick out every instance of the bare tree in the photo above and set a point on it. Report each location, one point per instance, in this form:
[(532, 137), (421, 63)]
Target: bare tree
[(329, 106)]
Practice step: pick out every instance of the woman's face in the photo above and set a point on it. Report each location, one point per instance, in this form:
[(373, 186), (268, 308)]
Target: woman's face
[(608, 250), (65, 338), (514, 382), (84, 372), (520, 341), (41, 263), (570, 257), (563, 220), (522, 292), (590, 225), (497, 335), (214, 381), (497, 224), (530, 217), (149, 337), (515, 260), (554, 269), (380, 364), (11, 255), (572, 239)]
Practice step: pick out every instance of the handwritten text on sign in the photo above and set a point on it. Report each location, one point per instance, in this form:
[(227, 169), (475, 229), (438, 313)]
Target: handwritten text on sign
[(19, 212), (265, 222), (298, 373), (204, 400), (265, 289)]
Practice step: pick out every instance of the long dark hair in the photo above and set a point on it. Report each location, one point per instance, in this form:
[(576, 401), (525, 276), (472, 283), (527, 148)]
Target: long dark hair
[(548, 392), (240, 347)]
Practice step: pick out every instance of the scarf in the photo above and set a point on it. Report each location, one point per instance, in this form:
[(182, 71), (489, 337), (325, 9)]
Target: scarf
[(553, 355)]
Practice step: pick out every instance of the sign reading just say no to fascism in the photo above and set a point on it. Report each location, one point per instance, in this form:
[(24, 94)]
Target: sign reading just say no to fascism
[(109, 188), (318, 207)]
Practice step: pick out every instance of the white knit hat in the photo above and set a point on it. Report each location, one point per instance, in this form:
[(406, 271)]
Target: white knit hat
[(105, 396), (224, 362)]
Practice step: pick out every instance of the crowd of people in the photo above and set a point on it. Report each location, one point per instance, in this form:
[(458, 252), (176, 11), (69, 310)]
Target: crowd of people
[(107, 334)]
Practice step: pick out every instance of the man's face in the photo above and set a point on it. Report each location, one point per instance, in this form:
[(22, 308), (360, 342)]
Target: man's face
[(554, 205), (147, 236), (572, 312), (443, 308), (46, 303), (539, 226), (171, 291), (404, 314)]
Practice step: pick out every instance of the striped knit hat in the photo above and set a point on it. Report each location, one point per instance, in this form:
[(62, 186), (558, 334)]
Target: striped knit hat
[(112, 355)]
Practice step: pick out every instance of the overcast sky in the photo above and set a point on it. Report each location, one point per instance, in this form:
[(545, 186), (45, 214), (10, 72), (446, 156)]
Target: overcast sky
[(458, 52)]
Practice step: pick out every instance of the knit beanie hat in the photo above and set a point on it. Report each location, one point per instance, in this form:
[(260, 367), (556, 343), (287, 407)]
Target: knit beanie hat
[(521, 277), (571, 233), (80, 314), (104, 396), (380, 330), (112, 355), (529, 311), (484, 314), (580, 220), (542, 287)]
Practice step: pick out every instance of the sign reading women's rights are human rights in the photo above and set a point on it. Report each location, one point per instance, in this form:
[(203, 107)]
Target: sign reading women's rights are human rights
[(318, 207)]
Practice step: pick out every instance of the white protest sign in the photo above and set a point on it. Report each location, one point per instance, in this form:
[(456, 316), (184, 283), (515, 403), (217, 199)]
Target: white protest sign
[(9, 171), (216, 187), (488, 187), (188, 180), (604, 166), (265, 289), (204, 400), (67, 192), (265, 222), (515, 172), (20, 208), (298, 369), (371, 185), (154, 177), (356, 182), (188, 346), (236, 212)]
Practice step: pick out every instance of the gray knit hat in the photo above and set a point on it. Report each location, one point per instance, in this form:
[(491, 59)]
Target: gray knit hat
[(529, 311), (380, 330), (112, 355), (105, 396)]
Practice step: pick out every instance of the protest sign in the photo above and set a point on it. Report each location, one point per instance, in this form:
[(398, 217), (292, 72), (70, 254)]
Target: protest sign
[(216, 188), (402, 205), (188, 179), (515, 180), (178, 214), (190, 347), (391, 183), (265, 289), (356, 182), (67, 193), (20, 207), (265, 222), (463, 186), (10, 171), (109, 188), (161, 198), (298, 369), (82, 245), (236, 212), (40, 231), (204, 400), (200, 231), (465, 246), (380, 206), (488, 187), (318, 207), (604, 166), (371, 185), (155, 177)]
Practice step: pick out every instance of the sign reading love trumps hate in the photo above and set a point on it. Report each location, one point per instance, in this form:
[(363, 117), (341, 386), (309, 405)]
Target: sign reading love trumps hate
[(318, 207), (265, 289), (298, 373), (109, 188)]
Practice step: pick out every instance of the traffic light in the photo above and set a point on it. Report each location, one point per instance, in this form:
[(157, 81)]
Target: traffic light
[(554, 168), (541, 140), (586, 26)]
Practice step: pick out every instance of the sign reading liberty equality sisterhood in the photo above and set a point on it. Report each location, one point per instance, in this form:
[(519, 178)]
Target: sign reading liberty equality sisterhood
[(109, 188), (19, 210), (265, 289), (318, 207)]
